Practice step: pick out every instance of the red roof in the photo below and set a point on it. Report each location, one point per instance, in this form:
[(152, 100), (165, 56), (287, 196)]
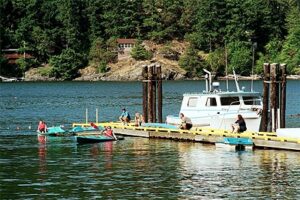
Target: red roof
[(125, 41)]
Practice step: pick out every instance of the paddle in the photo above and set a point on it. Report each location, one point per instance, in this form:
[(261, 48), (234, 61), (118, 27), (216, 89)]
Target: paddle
[(114, 136)]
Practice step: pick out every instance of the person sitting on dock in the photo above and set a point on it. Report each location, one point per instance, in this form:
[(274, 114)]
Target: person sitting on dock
[(125, 117), (138, 119), (186, 122), (42, 128), (240, 125)]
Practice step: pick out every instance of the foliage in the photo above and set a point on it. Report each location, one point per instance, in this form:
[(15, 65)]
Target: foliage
[(239, 55), (169, 53), (26, 63), (45, 71), (102, 67), (216, 60), (50, 28), (290, 53), (191, 62), (66, 65), (139, 52), (271, 55), (102, 52)]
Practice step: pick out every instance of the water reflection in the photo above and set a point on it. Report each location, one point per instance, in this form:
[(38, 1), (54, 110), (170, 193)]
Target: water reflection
[(42, 154)]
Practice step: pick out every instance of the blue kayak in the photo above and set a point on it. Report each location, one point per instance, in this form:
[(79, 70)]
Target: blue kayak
[(95, 138)]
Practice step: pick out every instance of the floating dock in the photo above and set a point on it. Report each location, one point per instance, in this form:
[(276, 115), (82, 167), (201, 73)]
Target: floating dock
[(204, 135)]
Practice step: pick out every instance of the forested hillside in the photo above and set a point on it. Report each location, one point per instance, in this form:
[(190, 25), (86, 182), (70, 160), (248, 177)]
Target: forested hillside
[(71, 34)]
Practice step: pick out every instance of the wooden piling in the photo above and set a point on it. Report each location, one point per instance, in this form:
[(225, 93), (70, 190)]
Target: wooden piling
[(145, 90), (264, 117), (159, 93), (150, 94), (154, 92), (283, 95), (273, 95)]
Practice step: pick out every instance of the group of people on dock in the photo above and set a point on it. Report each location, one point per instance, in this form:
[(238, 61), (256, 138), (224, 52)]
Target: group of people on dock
[(186, 123), (125, 118), (239, 125)]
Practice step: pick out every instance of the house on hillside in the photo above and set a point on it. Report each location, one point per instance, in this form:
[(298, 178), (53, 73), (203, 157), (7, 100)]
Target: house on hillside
[(124, 48), (13, 54)]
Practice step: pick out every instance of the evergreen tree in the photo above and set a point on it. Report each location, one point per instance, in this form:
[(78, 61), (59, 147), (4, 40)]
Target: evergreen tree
[(291, 51), (65, 66), (139, 52)]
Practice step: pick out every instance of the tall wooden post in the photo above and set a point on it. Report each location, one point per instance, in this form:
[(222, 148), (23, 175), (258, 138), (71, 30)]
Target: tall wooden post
[(154, 92), (264, 117), (150, 93), (273, 97), (145, 91), (159, 93), (283, 95)]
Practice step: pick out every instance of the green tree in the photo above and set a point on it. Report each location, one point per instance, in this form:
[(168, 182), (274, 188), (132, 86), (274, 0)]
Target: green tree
[(271, 55), (210, 26), (161, 19), (192, 62), (121, 18), (239, 54), (139, 52), (65, 66), (291, 52), (70, 18), (216, 61)]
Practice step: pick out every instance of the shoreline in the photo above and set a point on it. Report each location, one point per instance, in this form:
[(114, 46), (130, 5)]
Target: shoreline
[(107, 79)]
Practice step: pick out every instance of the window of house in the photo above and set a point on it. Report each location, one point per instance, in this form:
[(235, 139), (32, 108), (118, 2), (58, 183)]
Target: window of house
[(251, 100), (211, 101), (192, 102), (226, 101)]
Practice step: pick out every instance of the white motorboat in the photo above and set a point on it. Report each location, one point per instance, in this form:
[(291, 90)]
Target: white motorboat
[(219, 109)]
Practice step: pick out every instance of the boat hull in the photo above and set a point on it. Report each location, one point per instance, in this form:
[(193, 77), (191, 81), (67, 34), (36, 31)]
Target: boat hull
[(95, 139)]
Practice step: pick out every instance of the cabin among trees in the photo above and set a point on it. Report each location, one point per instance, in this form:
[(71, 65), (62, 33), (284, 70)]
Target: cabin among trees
[(124, 48), (12, 55)]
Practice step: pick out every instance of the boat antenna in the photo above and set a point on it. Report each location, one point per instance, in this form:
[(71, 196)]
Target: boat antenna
[(236, 82), (208, 88), (254, 45), (226, 67)]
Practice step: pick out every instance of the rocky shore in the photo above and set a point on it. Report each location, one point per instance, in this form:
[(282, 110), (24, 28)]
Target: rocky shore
[(131, 70)]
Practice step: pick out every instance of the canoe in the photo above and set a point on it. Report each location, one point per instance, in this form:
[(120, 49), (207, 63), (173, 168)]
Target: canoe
[(95, 138)]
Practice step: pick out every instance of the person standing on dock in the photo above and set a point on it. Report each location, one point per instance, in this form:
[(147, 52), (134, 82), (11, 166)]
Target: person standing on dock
[(240, 125), (125, 117), (186, 123)]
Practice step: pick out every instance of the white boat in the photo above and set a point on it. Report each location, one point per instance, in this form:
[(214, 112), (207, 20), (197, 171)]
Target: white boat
[(219, 109)]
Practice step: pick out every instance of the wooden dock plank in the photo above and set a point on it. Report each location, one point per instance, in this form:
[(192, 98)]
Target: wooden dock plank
[(276, 144), (129, 132)]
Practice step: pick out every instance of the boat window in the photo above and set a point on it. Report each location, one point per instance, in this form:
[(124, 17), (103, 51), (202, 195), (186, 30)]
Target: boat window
[(211, 101), (226, 101), (252, 100), (192, 102)]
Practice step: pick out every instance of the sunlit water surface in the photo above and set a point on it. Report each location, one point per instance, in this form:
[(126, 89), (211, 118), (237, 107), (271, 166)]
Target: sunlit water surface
[(33, 167)]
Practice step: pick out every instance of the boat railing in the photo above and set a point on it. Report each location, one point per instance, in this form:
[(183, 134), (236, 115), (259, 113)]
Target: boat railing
[(253, 107)]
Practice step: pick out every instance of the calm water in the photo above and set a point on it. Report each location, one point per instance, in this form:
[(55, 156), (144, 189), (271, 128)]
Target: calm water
[(135, 168)]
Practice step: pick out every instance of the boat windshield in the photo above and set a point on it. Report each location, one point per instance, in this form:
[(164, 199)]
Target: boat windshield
[(226, 101), (251, 100)]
